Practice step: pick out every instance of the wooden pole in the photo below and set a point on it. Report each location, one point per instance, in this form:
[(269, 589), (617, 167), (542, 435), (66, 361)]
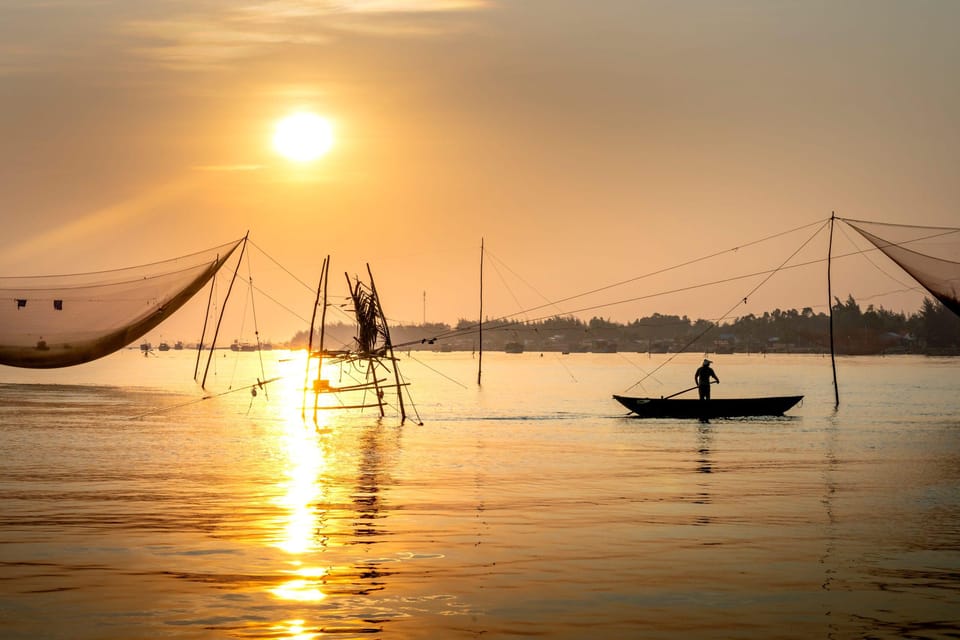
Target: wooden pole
[(323, 310), (323, 327), (216, 331), (389, 351), (206, 318), (364, 345), (313, 320), (833, 357), (480, 332)]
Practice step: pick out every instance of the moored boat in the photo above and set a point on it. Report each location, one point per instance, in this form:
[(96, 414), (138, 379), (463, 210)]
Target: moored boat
[(706, 409)]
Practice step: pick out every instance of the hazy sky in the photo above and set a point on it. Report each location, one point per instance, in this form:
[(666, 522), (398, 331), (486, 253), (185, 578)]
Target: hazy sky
[(587, 142)]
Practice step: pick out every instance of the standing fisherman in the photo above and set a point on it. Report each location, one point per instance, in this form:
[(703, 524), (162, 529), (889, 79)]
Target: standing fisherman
[(702, 378)]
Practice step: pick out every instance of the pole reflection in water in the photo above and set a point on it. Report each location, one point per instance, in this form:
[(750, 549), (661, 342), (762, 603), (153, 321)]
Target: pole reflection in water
[(366, 495)]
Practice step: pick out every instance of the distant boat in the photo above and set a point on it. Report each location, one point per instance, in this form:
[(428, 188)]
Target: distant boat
[(178, 346), (164, 346), (604, 346), (145, 346), (513, 347), (706, 409)]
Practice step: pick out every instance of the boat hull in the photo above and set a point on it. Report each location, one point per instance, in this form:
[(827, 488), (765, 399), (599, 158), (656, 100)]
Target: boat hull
[(706, 409)]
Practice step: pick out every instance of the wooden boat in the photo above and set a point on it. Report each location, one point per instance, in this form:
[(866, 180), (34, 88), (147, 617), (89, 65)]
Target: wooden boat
[(705, 409)]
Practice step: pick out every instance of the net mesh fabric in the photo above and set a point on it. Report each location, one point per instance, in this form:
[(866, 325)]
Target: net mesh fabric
[(931, 255), (63, 320)]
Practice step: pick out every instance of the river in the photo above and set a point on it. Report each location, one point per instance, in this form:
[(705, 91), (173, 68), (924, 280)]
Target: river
[(530, 506)]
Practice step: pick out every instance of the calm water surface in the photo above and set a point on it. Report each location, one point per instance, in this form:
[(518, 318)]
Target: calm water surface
[(530, 507)]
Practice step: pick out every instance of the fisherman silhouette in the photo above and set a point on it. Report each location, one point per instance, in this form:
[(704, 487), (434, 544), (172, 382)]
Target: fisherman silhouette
[(702, 378)]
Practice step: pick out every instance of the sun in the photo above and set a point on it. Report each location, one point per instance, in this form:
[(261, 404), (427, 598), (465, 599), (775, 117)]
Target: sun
[(303, 137)]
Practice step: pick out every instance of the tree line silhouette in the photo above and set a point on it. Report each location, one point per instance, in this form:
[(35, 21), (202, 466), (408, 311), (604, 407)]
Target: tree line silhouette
[(933, 329)]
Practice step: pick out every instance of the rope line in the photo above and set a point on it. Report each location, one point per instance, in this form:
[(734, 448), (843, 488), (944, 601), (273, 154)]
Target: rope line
[(866, 256), (674, 267), (713, 325), (436, 371), (256, 326), (131, 268), (283, 268), (507, 322), (259, 383)]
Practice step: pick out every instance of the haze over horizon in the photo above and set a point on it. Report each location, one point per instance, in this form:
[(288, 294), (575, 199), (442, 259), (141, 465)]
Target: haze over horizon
[(585, 143)]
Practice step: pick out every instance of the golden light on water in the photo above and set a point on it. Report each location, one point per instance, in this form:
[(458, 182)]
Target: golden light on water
[(295, 630), (303, 489), (301, 494), (303, 137), (307, 496), (300, 590)]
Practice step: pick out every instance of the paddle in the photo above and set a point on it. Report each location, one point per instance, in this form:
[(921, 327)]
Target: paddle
[(679, 392)]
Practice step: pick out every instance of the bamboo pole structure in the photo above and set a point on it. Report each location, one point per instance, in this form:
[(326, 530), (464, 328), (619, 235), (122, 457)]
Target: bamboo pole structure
[(388, 346)]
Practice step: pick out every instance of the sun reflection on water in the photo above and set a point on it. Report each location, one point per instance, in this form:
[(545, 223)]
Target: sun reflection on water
[(328, 501), (299, 590), (295, 630), (301, 498), (303, 490)]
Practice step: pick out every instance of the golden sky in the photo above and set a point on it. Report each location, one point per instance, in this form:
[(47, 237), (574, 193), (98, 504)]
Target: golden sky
[(587, 142)]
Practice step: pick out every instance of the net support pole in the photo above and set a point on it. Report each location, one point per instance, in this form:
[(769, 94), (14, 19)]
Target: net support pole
[(480, 329), (388, 350), (323, 325), (206, 318), (833, 357), (313, 320), (223, 308)]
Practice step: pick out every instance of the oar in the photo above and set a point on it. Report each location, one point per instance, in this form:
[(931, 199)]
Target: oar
[(679, 392)]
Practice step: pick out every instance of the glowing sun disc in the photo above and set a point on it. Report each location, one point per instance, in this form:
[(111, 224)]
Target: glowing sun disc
[(303, 137)]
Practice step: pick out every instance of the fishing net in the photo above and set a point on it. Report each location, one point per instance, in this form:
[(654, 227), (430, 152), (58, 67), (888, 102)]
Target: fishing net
[(931, 255), (64, 320)]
